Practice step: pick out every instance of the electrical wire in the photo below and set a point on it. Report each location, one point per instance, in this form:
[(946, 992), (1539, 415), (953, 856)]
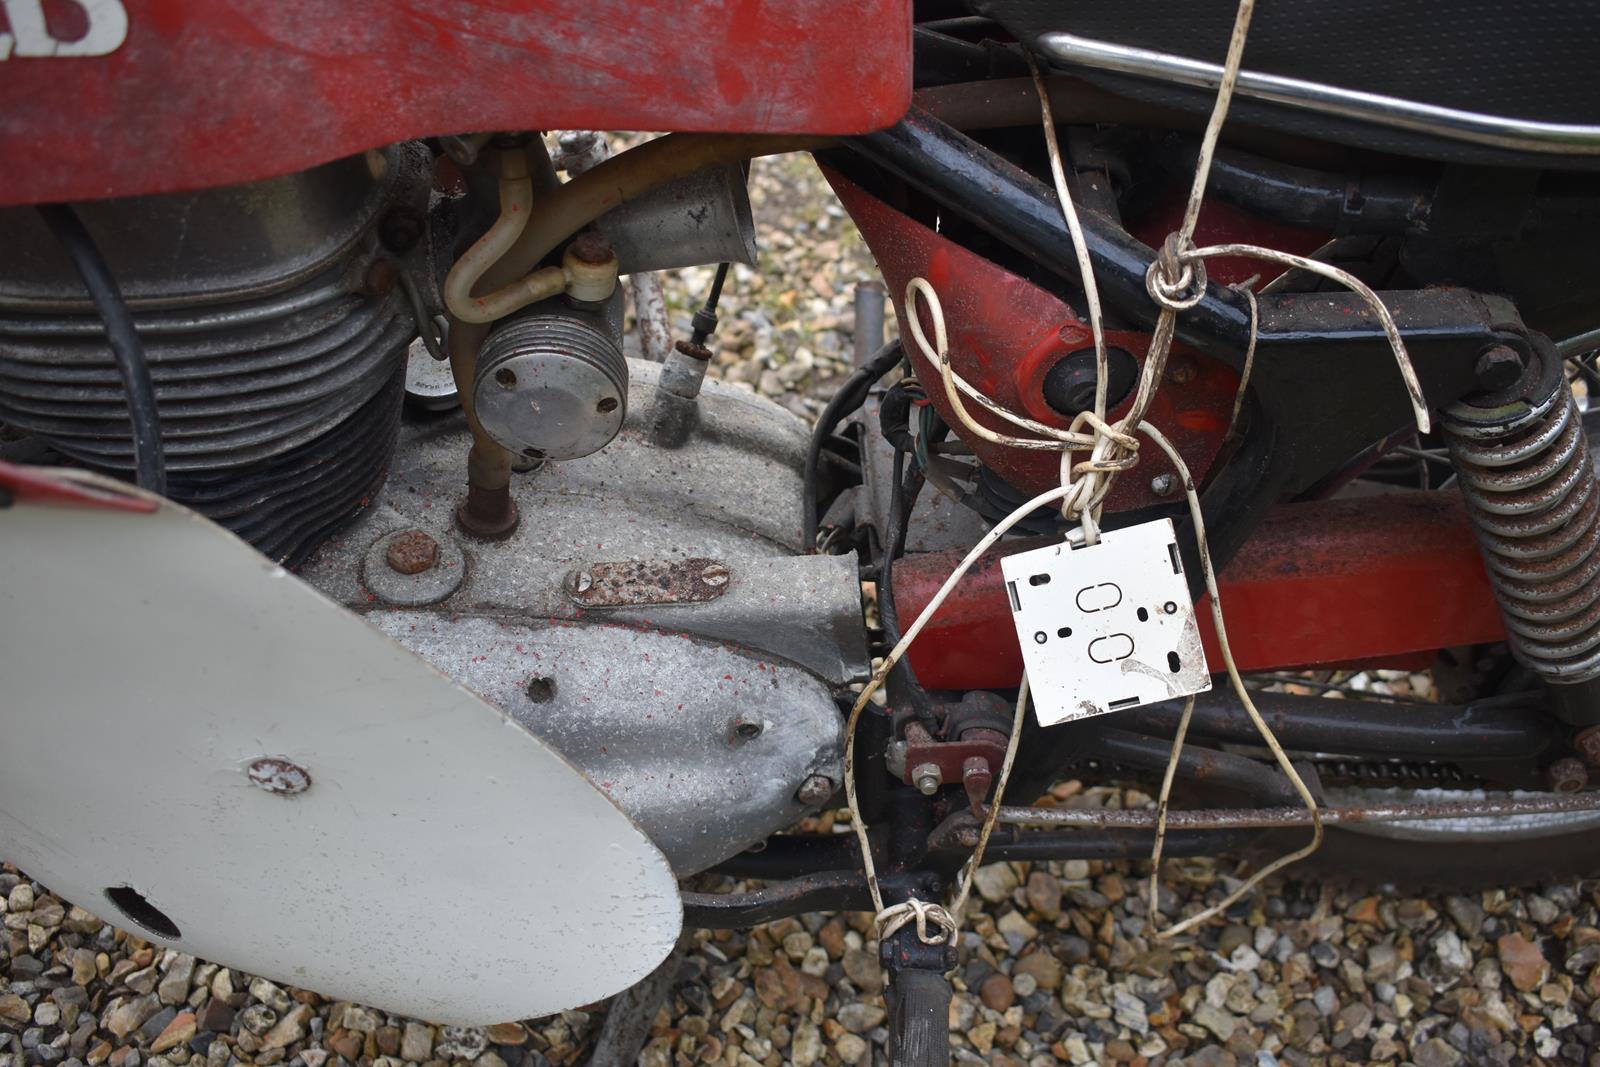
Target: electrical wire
[(903, 493), (851, 395), (127, 350)]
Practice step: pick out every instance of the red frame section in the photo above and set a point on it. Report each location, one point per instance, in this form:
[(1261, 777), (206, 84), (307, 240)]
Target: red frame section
[(199, 93), (1321, 583), (1005, 335)]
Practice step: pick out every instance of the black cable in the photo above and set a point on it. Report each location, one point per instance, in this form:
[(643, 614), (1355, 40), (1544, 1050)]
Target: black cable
[(903, 494), (149, 461), (851, 395), (704, 323)]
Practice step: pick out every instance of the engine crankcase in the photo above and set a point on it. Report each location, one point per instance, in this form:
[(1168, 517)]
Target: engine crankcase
[(652, 617)]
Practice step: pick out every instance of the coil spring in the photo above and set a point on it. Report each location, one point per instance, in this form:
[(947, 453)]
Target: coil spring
[(1530, 489)]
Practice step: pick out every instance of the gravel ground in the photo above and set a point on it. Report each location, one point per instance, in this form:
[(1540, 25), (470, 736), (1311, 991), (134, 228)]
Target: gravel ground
[(1056, 965)]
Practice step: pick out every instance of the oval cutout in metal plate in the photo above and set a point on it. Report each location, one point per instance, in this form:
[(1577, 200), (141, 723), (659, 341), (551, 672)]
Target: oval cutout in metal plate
[(196, 741)]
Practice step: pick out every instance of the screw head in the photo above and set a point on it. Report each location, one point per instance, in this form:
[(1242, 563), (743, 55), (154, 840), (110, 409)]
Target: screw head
[(715, 575), (1180, 372), (1566, 775), (928, 778), (816, 789), (278, 776), (582, 582), (412, 552), (1163, 484)]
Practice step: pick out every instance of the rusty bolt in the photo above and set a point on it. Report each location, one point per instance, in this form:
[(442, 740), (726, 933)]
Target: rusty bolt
[(380, 278), (401, 228), (1566, 775), (816, 789), (412, 552), (1498, 368), (591, 247), (715, 575), (278, 776), (1181, 372), (927, 777), (1587, 744), (1163, 484), (582, 582)]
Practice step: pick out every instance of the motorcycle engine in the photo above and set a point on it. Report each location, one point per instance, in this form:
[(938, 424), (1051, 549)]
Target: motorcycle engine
[(653, 616), (274, 325)]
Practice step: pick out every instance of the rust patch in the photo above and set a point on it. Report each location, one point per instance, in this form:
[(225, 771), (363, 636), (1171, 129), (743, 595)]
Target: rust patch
[(631, 583), (412, 552)]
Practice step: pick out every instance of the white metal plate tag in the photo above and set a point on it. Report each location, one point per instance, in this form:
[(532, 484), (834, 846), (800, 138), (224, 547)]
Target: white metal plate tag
[(292, 792), (1107, 626)]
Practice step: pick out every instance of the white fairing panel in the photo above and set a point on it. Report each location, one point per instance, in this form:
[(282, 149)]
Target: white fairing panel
[(442, 862)]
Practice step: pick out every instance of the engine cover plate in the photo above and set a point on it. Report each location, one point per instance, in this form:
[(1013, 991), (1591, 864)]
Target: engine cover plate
[(261, 778)]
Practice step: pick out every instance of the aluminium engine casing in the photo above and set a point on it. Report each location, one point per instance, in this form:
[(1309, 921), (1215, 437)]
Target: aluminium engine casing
[(652, 618)]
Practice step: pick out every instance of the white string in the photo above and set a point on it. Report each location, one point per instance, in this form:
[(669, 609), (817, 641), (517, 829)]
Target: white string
[(1208, 572), (886, 916), (1176, 281)]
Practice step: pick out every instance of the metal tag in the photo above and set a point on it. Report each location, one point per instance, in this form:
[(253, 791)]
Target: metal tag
[(1107, 626)]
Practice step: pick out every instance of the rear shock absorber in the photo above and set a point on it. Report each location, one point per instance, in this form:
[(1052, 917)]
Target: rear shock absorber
[(1522, 460)]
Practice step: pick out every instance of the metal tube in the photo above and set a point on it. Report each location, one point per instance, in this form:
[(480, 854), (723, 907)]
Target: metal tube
[(1269, 818), (1356, 728), (1205, 766), (1015, 207), (626, 177), (1517, 134), (582, 151), (868, 336)]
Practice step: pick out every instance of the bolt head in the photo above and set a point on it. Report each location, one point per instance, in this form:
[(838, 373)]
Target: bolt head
[(412, 552), (715, 575), (816, 789), (1163, 484), (1180, 372), (582, 582), (592, 247), (1498, 368), (278, 776), (928, 778)]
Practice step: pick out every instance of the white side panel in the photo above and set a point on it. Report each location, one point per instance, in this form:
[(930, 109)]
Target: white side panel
[(443, 862)]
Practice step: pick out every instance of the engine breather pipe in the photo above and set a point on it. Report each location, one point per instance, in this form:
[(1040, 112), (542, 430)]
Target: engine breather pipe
[(625, 177), (585, 281)]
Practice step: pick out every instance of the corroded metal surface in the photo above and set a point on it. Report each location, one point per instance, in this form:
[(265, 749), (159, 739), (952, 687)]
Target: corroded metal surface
[(731, 492), (638, 582)]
